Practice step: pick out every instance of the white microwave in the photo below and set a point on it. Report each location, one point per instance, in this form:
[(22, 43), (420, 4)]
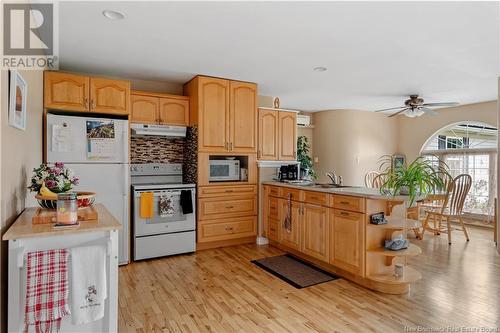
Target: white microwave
[(224, 170)]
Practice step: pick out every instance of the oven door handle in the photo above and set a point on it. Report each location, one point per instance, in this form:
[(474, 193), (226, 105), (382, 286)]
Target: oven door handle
[(157, 194)]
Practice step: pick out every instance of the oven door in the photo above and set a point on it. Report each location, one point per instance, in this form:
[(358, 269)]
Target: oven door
[(174, 221)]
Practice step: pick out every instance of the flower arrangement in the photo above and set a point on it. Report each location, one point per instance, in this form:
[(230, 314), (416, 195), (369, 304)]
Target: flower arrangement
[(57, 178)]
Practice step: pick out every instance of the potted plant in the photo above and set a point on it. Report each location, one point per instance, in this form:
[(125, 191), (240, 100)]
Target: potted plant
[(303, 157), (420, 177)]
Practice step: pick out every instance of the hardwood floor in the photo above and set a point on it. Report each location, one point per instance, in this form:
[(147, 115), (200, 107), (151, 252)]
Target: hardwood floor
[(220, 290)]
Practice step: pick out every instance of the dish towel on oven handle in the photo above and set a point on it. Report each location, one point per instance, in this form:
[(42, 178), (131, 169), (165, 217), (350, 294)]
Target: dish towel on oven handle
[(186, 202), (88, 287), (165, 205), (46, 290)]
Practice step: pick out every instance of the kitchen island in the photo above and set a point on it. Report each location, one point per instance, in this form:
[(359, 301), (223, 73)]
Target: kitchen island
[(25, 237), (330, 227)]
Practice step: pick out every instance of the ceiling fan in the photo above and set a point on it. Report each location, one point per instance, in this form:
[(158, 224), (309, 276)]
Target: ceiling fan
[(415, 107)]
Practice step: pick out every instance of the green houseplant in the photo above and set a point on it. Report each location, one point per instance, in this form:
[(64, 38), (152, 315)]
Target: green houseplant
[(303, 157), (419, 177)]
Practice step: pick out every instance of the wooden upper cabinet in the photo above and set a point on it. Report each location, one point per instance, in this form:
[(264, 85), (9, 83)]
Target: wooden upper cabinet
[(243, 117), (268, 135), (174, 111), (287, 135), (145, 109), (346, 240), (64, 91), (213, 104), (315, 232), (109, 96)]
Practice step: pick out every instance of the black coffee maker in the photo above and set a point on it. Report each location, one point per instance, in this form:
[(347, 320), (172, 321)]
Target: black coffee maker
[(288, 172)]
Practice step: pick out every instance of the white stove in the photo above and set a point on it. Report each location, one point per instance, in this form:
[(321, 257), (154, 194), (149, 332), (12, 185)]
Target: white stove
[(163, 211)]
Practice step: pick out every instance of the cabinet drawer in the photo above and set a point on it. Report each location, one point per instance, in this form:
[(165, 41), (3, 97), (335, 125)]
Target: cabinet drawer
[(316, 198), (273, 230), (211, 208), (348, 215), (284, 191), (273, 207), (274, 190), (218, 191), (229, 229), (353, 204)]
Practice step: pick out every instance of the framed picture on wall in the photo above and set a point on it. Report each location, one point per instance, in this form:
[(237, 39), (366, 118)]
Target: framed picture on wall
[(398, 161), (17, 100)]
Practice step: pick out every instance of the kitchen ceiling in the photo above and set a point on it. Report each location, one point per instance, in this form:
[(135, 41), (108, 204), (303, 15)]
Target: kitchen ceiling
[(375, 53)]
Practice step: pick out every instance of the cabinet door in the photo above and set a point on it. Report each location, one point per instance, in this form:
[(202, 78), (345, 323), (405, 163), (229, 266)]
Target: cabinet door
[(213, 114), (315, 232), (346, 240), (287, 135), (144, 109), (243, 117), (109, 96), (65, 91), (268, 135), (290, 238), (174, 111)]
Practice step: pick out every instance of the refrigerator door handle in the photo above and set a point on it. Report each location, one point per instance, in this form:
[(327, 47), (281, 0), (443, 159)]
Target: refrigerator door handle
[(126, 185), (125, 145)]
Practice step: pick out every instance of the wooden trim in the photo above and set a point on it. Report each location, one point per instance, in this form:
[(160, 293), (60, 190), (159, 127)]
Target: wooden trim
[(224, 243), (160, 95)]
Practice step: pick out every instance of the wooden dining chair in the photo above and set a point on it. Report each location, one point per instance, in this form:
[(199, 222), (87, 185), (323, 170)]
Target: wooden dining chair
[(370, 177), (452, 209), (436, 201)]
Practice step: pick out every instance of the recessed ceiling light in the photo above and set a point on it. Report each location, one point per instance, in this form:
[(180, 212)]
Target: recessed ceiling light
[(320, 69), (113, 14)]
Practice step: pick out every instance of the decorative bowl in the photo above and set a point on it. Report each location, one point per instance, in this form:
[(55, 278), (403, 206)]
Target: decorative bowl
[(84, 199)]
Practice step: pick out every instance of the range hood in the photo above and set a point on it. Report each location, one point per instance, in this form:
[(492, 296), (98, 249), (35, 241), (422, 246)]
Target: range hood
[(158, 130)]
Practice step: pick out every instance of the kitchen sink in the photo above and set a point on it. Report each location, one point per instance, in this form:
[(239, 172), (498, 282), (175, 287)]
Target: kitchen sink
[(331, 186)]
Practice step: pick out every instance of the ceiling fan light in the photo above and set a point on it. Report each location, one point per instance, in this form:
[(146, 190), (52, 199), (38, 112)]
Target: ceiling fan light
[(413, 113)]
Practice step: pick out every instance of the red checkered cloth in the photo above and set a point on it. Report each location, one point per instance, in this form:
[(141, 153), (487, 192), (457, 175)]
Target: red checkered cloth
[(46, 290)]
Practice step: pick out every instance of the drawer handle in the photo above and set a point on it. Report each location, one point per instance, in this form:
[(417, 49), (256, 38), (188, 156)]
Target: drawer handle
[(272, 229), (229, 228), (344, 202), (229, 207), (229, 191), (344, 213), (314, 198)]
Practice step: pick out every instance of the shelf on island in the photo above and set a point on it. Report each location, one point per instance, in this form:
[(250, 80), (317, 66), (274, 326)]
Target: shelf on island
[(412, 250), (410, 275), (398, 223)]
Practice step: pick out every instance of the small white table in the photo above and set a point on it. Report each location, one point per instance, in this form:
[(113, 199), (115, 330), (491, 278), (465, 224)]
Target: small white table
[(25, 237)]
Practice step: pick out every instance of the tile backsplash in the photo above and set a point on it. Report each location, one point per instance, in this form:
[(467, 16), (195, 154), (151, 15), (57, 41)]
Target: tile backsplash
[(150, 149)]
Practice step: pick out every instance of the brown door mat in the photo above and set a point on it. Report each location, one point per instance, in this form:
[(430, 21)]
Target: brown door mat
[(296, 272)]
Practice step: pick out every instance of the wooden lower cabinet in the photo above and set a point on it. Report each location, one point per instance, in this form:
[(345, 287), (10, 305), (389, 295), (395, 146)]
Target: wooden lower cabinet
[(315, 232), (346, 240), (290, 237), (225, 229), (211, 208)]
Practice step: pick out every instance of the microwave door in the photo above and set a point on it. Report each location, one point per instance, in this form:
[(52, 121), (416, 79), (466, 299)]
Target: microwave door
[(219, 172)]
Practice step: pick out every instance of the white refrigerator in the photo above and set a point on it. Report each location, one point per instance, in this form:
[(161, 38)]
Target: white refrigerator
[(97, 150)]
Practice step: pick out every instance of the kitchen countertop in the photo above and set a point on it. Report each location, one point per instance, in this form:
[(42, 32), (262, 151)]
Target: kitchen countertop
[(369, 193), (23, 228)]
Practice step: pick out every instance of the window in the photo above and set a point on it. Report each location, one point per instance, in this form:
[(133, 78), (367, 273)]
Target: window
[(469, 148)]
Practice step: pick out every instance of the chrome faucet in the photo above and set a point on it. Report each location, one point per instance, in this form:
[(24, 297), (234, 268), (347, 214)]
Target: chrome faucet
[(332, 176)]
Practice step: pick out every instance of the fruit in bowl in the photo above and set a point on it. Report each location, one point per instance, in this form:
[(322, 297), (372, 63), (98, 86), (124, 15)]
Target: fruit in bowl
[(48, 199)]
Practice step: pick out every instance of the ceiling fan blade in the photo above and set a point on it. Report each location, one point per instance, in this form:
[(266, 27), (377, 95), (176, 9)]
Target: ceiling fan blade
[(429, 111), (395, 114), (441, 104), (398, 107)]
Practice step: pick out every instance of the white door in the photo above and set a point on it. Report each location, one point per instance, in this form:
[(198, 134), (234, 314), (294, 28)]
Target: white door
[(68, 141), (111, 183)]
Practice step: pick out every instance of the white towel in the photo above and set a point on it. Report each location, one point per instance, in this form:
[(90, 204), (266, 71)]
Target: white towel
[(88, 287)]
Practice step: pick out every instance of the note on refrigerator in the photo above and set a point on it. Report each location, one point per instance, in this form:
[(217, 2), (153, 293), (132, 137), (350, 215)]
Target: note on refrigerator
[(100, 139), (62, 141)]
